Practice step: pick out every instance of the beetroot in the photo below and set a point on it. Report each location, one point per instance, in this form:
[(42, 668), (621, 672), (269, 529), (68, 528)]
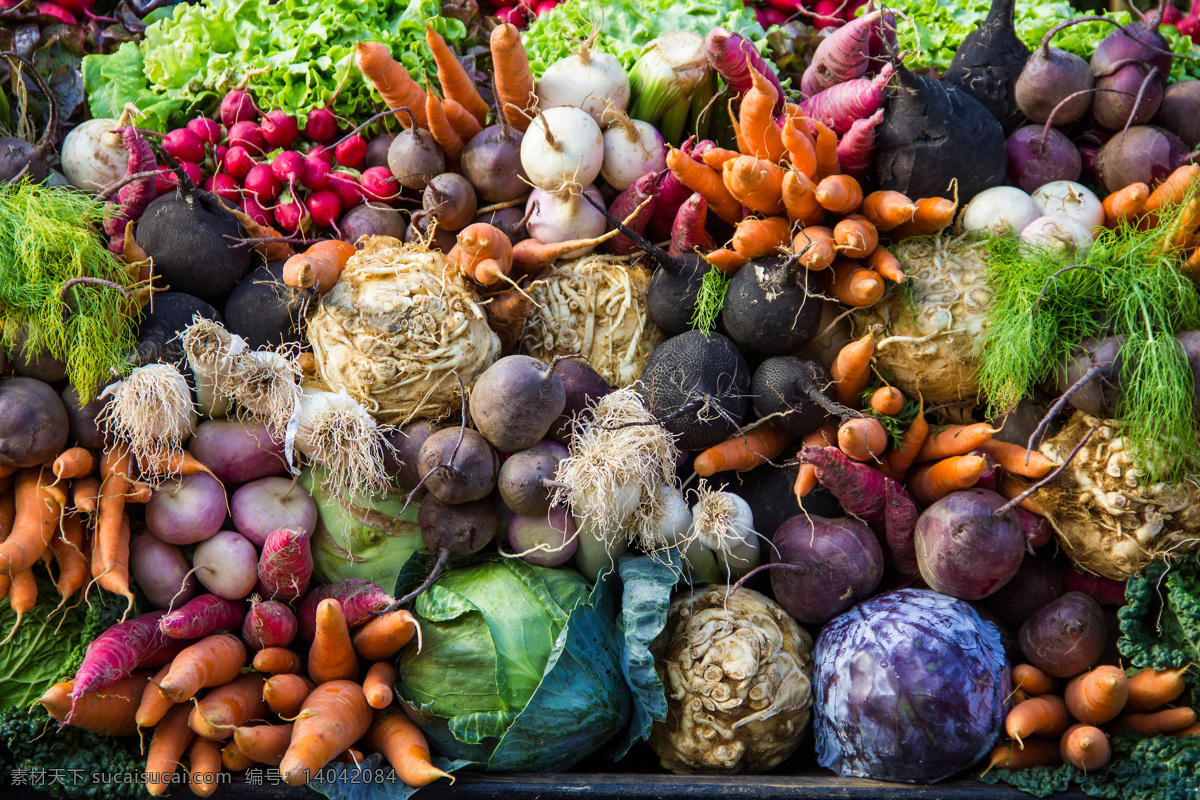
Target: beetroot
[(1035, 160), (1065, 637), (1038, 582), (965, 548), (1144, 154), (835, 563)]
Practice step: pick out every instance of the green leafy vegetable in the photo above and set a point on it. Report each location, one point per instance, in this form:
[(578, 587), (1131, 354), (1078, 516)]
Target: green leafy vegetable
[(48, 237), (1160, 621)]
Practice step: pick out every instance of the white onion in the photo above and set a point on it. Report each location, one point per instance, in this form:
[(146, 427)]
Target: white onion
[(1000, 210), (1070, 199)]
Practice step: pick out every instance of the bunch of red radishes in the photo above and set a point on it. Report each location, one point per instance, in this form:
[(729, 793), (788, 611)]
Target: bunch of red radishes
[(521, 12), (295, 181), (818, 13), (1188, 25)]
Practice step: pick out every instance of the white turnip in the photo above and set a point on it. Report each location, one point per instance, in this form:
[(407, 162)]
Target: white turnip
[(631, 149), (1070, 199), (238, 451), (267, 504), (563, 216), (93, 156), (999, 210), (562, 147), (227, 565), (188, 510), (589, 81), (1058, 232)]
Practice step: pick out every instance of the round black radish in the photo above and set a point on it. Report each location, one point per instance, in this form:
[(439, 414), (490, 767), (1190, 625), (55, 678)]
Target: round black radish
[(457, 465), (158, 335), (186, 235), (583, 387), (33, 423), (414, 158), (697, 385), (17, 156), (460, 529), (85, 430), (515, 401), (378, 148), (369, 220), (450, 199), (1117, 102), (400, 462), (491, 161), (935, 137), (1051, 76), (523, 476), (785, 386), (1180, 111), (510, 220), (768, 309), (988, 62), (671, 298), (265, 311), (38, 364)]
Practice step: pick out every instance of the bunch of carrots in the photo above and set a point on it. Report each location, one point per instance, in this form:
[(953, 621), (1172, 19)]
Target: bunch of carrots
[(218, 708), (785, 191), (1137, 204), (1047, 729)]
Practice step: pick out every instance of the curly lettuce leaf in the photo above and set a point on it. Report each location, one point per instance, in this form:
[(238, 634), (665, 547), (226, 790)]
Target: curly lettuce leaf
[(111, 81)]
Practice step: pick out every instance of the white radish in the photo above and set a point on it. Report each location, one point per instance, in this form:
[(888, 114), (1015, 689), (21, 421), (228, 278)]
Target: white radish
[(631, 149), (93, 155), (999, 211), (1072, 200), (589, 81), (563, 216), (563, 147)]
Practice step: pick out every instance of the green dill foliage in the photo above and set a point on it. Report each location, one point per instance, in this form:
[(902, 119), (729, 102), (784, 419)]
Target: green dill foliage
[(709, 301), (1047, 303), (48, 237)]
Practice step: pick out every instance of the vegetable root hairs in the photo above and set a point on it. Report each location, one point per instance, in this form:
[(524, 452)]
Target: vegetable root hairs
[(265, 383), (336, 432), (609, 464), (713, 515), (150, 411)]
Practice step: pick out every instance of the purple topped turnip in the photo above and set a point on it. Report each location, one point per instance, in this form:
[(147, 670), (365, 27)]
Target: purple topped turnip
[(188, 510), (263, 506), (548, 540)]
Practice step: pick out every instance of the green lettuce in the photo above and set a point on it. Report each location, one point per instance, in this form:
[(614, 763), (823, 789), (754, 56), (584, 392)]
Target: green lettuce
[(943, 24)]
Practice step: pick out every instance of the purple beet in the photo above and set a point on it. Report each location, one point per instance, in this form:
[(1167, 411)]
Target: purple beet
[(834, 563), (965, 548)]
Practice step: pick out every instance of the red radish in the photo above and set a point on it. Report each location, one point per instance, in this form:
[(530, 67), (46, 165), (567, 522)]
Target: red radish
[(1190, 26), (360, 599), (505, 3), (840, 57), (768, 17), (202, 616), (226, 187), (221, 151), (513, 15), (826, 14), (732, 55), (184, 145), (166, 181), (288, 167), (269, 624), (321, 125), (380, 185), (256, 212), (854, 149), (291, 214), (238, 106), (56, 11), (262, 184), (278, 129), (209, 130), (345, 186), (117, 652), (351, 151), (545, 7), (316, 173), (324, 208), (285, 566), (237, 161), (321, 153), (247, 135), (1171, 16)]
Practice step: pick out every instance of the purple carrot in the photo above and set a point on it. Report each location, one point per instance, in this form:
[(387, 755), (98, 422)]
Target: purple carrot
[(117, 652), (202, 616), (359, 598), (643, 189), (841, 56), (900, 520), (854, 149), (862, 490), (839, 106), (688, 234), (732, 55), (133, 197)]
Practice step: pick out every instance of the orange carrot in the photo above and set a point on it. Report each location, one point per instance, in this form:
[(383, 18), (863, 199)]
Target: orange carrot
[(392, 81), (933, 214), (726, 260), (900, 458), (265, 744), (1037, 716), (483, 253), (74, 463), (1190, 732), (931, 482), (139, 493), (862, 439), (954, 440), (456, 83), (757, 117), (531, 256), (204, 767), (851, 370), (1036, 753), (1097, 696), (153, 706), (1174, 188), (171, 739), (887, 265), (815, 247), (716, 157), (1125, 205), (1155, 723), (331, 656), (800, 198), (887, 400), (806, 477), (439, 125), (271, 250), (6, 470), (826, 147), (401, 742), (840, 194), (855, 236), (755, 183), (743, 451), (22, 597), (1032, 680), (383, 636), (110, 565), (742, 145), (233, 759), (276, 661), (319, 265), (1179, 230), (1010, 487), (755, 238), (1012, 458), (109, 711), (228, 706), (284, 694), (211, 661), (68, 552), (1085, 747), (1152, 688), (106, 542), (801, 151), (461, 120), (37, 513), (707, 182), (514, 81), (887, 210), (853, 285), (85, 492), (334, 716), (377, 686)]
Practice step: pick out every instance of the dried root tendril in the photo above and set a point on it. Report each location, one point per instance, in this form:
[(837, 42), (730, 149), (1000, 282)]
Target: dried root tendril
[(151, 412)]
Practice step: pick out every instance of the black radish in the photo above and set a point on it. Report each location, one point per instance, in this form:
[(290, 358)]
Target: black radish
[(793, 392), (515, 401), (265, 311), (158, 334), (37, 363), (85, 428), (768, 308), (17, 156), (988, 63)]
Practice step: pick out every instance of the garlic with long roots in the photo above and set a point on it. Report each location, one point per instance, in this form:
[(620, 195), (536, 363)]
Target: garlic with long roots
[(150, 411), (266, 384), (334, 430), (211, 351)]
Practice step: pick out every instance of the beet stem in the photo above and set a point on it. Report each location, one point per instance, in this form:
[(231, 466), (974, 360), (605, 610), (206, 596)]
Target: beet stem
[(1016, 501), (762, 567), (121, 183), (443, 557), (1138, 101), (1052, 412)]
